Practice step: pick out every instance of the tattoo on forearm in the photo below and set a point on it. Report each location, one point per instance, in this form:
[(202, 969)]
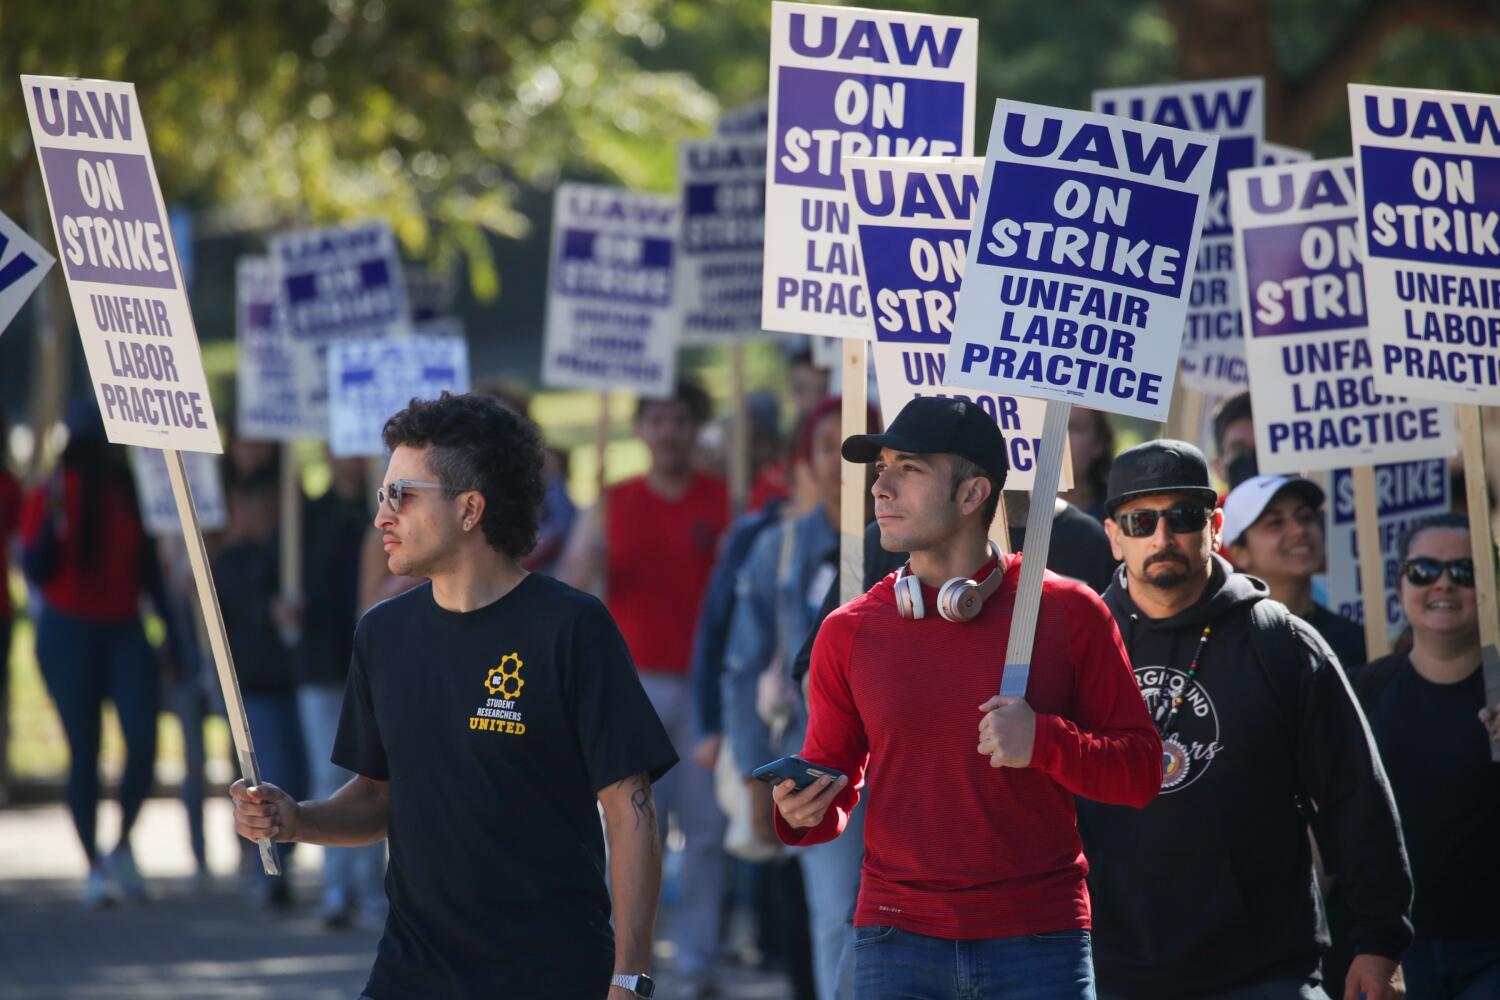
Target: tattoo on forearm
[(642, 802)]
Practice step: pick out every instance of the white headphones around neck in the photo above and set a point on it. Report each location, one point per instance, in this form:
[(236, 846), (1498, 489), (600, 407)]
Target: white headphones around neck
[(959, 600)]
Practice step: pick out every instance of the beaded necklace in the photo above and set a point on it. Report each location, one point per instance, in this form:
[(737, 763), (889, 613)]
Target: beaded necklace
[(1192, 671)]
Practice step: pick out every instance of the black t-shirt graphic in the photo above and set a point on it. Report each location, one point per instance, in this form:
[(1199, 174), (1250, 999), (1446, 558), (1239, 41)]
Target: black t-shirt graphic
[(495, 729)]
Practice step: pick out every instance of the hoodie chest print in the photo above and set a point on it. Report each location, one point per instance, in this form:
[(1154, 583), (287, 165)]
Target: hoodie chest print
[(1192, 741)]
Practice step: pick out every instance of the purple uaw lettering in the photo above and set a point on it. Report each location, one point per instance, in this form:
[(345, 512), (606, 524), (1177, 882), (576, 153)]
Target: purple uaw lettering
[(930, 194), (88, 113), (1113, 147), (1393, 116), (886, 42), (1321, 187)]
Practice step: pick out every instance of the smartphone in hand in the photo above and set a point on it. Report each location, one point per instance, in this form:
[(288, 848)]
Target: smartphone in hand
[(795, 769)]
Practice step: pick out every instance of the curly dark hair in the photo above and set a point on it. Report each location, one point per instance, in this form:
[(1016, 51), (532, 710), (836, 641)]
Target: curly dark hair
[(479, 444)]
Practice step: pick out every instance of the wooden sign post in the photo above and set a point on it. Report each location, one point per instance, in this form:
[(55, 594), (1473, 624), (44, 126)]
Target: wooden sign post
[(852, 486), (738, 452), (1481, 533), (1371, 561)]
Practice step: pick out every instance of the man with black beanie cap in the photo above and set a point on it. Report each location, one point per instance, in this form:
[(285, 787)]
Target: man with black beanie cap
[(973, 877), (1209, 892)]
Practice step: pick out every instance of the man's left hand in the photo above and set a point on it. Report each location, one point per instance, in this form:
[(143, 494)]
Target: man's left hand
[(1007, 733), (1372, 977)]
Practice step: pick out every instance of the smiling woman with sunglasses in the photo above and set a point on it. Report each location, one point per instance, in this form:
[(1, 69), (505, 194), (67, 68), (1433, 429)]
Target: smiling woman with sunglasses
[(1427, 711)]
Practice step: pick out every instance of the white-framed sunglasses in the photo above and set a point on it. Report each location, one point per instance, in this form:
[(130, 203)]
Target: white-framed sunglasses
[(390, 494)]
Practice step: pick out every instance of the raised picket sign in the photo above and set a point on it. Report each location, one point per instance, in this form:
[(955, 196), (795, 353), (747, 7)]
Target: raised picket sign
[(1213, 355), (723, 190), (370, 380), (612, 320), (1428, 163), (849, 82), (333, 283), (1303, 290), (23, 265), (1081, 260), (118, 257), (912, 219), (746, 120), (1405, 493), (154, 490), (269, 402)]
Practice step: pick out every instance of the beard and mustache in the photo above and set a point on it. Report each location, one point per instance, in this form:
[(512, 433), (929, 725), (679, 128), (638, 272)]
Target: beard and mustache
[(1176, 572)]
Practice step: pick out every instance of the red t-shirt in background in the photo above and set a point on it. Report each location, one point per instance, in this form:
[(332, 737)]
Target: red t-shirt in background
[(955, 848), (109, 588), (660, 553), (10, 517)]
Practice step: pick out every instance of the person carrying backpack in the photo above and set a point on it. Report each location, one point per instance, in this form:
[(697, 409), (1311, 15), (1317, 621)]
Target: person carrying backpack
[(1209, 891)]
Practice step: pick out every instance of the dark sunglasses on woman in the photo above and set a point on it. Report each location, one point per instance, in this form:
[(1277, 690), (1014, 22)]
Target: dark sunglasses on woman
[(1423, 571), (1182, 519)]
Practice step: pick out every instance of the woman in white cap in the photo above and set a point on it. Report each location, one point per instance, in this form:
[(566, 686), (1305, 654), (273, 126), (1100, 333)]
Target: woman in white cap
[(1273, 529)]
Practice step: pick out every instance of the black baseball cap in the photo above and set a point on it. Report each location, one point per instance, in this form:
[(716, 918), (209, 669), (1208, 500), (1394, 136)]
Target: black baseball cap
[(1164, 466), (930, 425)]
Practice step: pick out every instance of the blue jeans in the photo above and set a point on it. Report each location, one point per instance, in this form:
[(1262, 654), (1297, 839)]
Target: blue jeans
[(84, 662), (831, 874), (892, 964), (276, 731), (352, 876), (1452, 968)]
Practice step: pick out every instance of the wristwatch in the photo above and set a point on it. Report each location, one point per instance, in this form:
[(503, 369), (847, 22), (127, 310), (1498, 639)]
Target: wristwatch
[(641, 985)]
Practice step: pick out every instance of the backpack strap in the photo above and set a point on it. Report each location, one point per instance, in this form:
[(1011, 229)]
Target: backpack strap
[(1275, 643)]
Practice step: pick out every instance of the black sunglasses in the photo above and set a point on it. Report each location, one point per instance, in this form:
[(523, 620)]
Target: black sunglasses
[(1423, 571), (1182, 519)]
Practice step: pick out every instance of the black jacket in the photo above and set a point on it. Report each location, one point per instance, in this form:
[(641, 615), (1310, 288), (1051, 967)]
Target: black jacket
[(1210, 887)]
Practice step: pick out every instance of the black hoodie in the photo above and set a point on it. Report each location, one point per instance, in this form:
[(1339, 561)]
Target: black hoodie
[(1210, 887)]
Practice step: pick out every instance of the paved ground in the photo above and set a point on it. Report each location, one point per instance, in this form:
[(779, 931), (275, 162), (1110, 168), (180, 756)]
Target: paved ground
[(189, 942)]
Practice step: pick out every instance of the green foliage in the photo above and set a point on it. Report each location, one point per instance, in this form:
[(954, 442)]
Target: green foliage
[(433, 114)]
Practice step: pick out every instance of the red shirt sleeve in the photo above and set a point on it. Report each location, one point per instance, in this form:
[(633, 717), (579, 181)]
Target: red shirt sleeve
[(1110, 752), (835, 735)]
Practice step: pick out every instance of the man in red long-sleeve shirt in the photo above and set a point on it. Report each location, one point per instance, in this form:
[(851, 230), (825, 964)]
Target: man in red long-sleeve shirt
[(973, 880)]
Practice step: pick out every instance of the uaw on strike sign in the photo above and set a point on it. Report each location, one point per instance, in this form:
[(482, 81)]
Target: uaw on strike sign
[(1311, 373), (849, 82), (1429, 178), (117, 253), (1081, 259), (912, 218)]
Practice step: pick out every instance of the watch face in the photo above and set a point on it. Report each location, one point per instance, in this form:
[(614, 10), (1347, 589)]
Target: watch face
[(644, 987)]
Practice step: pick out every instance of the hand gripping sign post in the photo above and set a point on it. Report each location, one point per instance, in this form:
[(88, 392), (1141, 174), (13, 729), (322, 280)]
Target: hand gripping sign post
[(132, 311), (23, 265), (1234, 110), (1428, 163), (912, 219), (850, 82), (1303, 290), (1075, 288)]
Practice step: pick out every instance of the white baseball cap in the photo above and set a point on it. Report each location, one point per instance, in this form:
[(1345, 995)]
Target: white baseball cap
[(1249, 500)]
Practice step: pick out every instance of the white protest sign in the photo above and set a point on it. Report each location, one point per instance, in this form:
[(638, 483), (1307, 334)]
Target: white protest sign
[(1429, 178), (23, 265), (154, 491), (369, 380), (1213, 350), (1405, 493), (116, 244), (611, 315), (849, 82), (723, 186), (912, 219), (1303, 288), (336, 282), (268, 398), (1081, 260), (1272, 153)]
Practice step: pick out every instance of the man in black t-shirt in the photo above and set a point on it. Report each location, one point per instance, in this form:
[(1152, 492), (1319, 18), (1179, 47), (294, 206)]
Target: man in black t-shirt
[(488, 714)]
